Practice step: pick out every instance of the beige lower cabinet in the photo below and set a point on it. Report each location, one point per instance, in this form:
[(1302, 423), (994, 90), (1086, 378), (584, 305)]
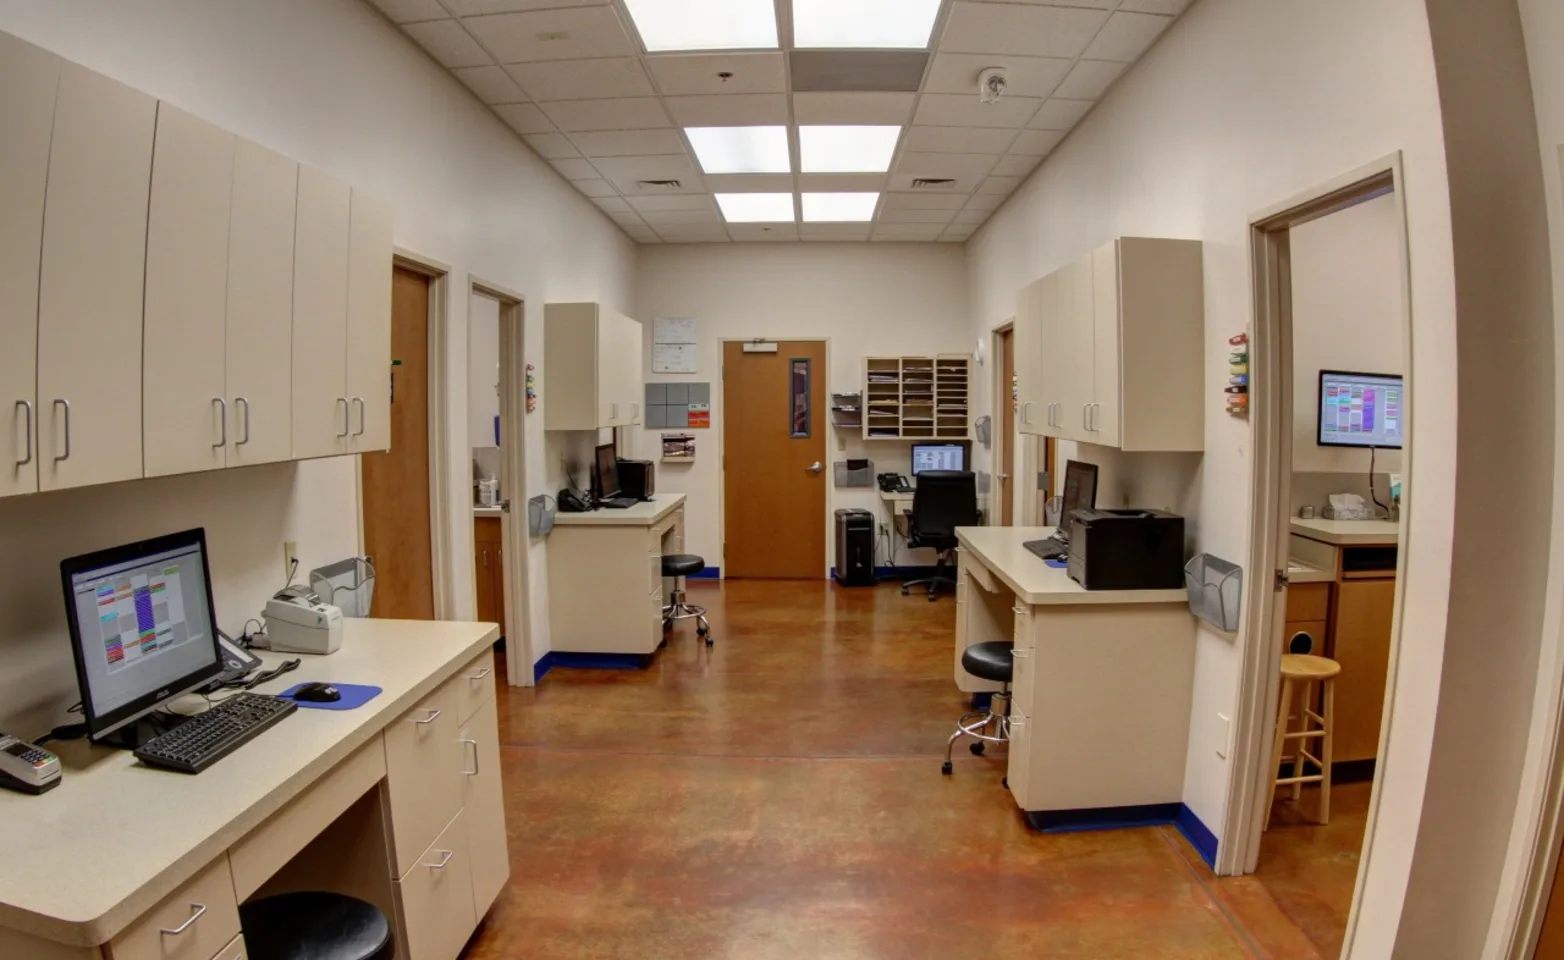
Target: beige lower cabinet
[(195, 922), (234, 951), (484, 800), (435, 897)]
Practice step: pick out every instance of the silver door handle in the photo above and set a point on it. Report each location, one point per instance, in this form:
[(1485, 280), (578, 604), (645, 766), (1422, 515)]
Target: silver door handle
[(347, 417), (442, 864), (481, 674), (27, 414), (816, 467), (196, 910), (246, 402), (222, 418), (474, 771), (67, 454), (429, 719), (362, 413)]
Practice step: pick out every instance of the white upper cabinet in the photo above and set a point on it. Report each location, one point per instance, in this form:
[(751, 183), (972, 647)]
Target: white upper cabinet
[(29, 78), (369, 323), (91, 282), (594, 368), (184, 397), (259, 355), (323, 416)]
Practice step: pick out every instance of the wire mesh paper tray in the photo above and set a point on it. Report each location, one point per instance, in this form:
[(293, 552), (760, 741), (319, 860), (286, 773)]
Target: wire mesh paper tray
[(348, 584)]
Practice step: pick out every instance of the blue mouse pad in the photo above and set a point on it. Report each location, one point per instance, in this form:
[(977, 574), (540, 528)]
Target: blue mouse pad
[(1058, 564), (353, 695)]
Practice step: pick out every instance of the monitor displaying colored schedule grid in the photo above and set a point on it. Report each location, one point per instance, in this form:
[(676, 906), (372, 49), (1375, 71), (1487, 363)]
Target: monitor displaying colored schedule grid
[(1361, 409)]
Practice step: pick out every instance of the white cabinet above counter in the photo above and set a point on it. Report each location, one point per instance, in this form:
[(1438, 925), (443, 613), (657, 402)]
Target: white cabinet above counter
[(593, 362)]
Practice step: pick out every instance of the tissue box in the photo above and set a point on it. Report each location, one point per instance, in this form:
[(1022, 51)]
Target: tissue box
[(1350, 513)]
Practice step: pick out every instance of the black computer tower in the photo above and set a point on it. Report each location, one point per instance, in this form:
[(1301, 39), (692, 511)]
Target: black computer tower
[(855, 548)]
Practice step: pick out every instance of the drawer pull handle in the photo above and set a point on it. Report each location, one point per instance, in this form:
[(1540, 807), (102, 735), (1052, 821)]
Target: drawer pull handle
[(429, 719), (196, 909), (481, 674), (474, 771), (443, 863)]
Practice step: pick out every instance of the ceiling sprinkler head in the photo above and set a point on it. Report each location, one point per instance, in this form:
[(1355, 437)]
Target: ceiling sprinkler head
[(991, 84)]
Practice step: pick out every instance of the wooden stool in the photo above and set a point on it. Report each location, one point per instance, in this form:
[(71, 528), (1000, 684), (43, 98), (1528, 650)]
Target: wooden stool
[(1305, 672)]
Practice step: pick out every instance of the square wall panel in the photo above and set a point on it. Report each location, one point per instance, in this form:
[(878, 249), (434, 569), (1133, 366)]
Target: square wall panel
[(683, 75), (492, 84), (1031, 31), (570, 34), (966, 110), (1090, 79), (629, 143), (863, 109), (638, 113), (729, 110), (447, 42), (1026, 76), (958, 140), (1059, 114), (600, 79)]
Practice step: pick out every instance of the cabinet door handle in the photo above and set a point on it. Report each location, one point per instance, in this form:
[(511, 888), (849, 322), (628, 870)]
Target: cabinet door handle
[(246, 407), (613, 411), (635, 410), (443, 863), (222, 418), (347, 416), (481, 674), (429, 719), (362, 413), (485, 555), (474, 771), (1024, 405), (67, 454), (196, 909), (26, 406)]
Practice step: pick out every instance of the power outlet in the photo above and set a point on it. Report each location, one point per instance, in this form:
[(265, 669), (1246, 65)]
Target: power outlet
[(1224, 731), (290, 556)]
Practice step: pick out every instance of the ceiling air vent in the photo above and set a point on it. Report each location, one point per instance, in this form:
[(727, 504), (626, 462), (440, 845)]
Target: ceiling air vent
[(933, 183), (658, 186)]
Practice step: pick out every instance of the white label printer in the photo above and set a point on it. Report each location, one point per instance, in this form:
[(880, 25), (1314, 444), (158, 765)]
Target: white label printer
[(298, 622)]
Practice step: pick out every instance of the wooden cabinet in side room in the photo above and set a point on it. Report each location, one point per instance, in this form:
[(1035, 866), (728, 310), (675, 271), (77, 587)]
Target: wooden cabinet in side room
[(1360, 642), (489, 570)]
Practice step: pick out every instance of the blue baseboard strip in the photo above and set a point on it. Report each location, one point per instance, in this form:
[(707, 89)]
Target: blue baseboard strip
[(588, 661), (1198, 835), (900, 573), (710, 573), (1118, 818)]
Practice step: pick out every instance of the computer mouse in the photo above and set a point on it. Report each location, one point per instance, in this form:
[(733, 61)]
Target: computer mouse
[(317, 693)]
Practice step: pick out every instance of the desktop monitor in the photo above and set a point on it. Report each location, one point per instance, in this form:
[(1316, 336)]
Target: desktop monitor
[(142, 627), (605, 472), (1361, 409), (1080, 493), (938, 456)]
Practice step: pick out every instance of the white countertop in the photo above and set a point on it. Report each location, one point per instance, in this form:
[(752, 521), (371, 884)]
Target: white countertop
[(1300, 572), (84, 860), (1348, 533), (641, 515), (488, 511), (1035, 582)]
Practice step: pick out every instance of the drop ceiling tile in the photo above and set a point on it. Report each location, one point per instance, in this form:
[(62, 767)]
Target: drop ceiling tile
[(1036, 143), (409, 11), (663, 204), (1026, 76), (1002, 186), (842, 182), (1171, 8), (761, 232), (627, 219), (524, 118), (1127, 36), (886, 71), (642, 234), (683, 75), (629, 143), (448, 43), (729, 110), (834, 231), (967, 169), (693, 234), (1090, 79), (1060, 114), (623, 172), (598, 79), (1015, 165), (552, 146), (958, 233), (972, 216), (1037, 31), (613, 205), (1094, 4), (596, 188), (986, 201), (958, 140), (908, 231), (635, 113), (492, 84), (575, 169), (869, 109), (571, 34), (474, 8), (916, 216), (925, 201), (665, 218), (749, 182), (966, 110)]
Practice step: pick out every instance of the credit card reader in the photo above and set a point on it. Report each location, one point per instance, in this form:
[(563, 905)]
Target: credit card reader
[(26, 768)]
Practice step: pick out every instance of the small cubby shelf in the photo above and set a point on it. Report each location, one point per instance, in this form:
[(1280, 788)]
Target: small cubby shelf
[(917, 398)]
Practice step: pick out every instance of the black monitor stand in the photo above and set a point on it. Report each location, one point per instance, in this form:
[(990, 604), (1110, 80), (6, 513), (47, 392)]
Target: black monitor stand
[(134, 735)]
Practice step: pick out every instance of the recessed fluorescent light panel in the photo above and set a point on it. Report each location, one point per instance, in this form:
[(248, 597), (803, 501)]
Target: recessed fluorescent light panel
[(741, 149), (863, 24), (756, 207), (847, 149), (839, 207), (705, 24)]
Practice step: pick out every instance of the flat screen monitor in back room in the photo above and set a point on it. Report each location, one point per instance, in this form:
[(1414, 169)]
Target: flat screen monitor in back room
[(1361, 409), (938, 456)]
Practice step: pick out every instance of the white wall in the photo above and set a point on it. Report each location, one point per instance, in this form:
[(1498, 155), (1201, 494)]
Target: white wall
[(869, 299), (483, 369), (329, 83)]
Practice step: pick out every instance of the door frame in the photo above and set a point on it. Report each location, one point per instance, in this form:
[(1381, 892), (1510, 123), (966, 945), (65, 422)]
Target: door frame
[(1003, 457), (721, 410), (1270, 411), (515, 538)]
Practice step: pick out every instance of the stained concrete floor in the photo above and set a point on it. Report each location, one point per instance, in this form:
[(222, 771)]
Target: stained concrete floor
[(779, 797)]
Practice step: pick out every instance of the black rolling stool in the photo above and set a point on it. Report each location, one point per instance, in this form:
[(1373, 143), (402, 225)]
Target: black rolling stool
[(678, 566), (987, 661), (314, 926)]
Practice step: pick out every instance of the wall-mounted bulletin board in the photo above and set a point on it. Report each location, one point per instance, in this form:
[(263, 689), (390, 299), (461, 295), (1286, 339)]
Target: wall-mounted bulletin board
[(678, 406), (673, 345)]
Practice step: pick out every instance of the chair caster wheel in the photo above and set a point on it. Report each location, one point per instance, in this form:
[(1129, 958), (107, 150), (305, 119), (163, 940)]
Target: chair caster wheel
[(946, 769), (932, 598), (710, 642), (906, 592), (978, 748), (1005, 782)]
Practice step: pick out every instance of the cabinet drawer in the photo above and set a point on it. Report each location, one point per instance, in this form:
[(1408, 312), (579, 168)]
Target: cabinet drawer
[(474, 684), (1308, 601), (204, 912), (483, 807), (1022, 633), (980, 573), (423, 774), (655, 571), (234, 951), (1018, 771), (436, 897), (1021, 679)]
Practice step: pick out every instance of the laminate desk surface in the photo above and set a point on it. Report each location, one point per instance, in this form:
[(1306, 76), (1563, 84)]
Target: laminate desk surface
[(1348, 533), (1002, 550), (488, 511), (86, 859), (641, 515)]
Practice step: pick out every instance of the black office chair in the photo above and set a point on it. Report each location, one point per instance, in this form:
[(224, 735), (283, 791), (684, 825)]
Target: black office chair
[(945, 500)]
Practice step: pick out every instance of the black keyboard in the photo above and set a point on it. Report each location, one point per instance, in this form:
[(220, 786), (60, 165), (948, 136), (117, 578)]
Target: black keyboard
[(619, 503), (1050, 549), (208, 737)]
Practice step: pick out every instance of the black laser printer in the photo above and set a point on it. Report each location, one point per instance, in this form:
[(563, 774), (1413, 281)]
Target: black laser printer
[(1127, 550)]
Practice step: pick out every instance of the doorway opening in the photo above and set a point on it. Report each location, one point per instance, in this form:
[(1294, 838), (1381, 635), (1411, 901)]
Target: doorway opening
[(1329, 369), (1004, 425)]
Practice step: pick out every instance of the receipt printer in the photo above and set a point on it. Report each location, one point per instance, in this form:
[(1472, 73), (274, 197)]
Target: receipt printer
[(297, 622), (1127, 550)]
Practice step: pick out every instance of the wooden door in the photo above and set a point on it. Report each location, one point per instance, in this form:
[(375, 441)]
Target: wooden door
[(1550, 944), (1360, 642), (774, 454), (28, 80), (489, 570), (1105, 345), (1007, 428), (184, 353), (321, 412), (396, 482), (92, 282), (370, 347), (260, 306)]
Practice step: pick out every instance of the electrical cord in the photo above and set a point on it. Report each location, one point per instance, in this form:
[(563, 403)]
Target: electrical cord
[(1372, 495)]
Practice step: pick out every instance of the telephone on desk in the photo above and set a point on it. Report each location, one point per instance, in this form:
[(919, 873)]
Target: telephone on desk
[(572, 502), (894, 483)]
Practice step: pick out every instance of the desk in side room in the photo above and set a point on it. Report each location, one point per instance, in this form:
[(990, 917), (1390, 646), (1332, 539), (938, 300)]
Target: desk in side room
[(1103, 679), (897, 504), (605, 578)]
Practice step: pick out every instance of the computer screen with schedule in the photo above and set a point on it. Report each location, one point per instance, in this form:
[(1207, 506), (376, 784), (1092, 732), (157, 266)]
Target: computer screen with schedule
[(938, 456), (1361, 409)]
